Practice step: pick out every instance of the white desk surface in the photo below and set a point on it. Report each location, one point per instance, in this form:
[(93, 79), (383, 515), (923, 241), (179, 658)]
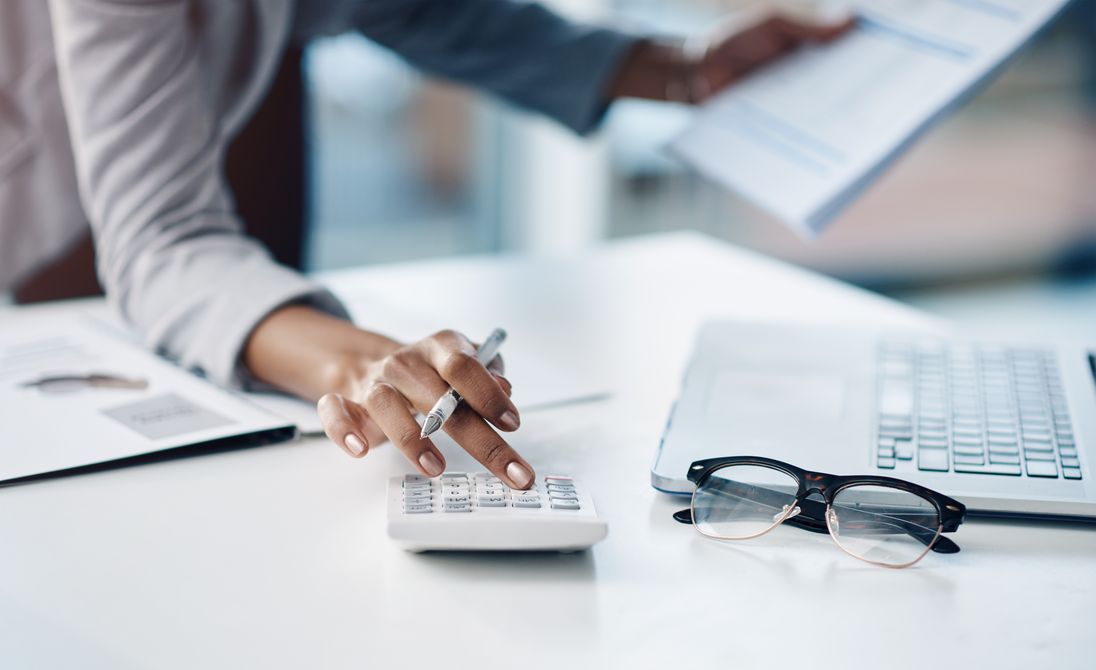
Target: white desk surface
[(277, 558)]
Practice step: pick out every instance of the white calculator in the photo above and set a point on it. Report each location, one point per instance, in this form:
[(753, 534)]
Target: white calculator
[(460, 511)]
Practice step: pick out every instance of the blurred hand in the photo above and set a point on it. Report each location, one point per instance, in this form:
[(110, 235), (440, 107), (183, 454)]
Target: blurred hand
[(379, 399), (662, 71)]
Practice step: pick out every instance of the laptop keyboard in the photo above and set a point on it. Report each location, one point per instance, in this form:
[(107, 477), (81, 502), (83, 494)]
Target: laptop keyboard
[(973, 409)]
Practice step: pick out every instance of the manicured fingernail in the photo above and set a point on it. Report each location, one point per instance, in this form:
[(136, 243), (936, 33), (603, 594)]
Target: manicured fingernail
[(430, 463), (519, 475), (509, 420), (354, 444)]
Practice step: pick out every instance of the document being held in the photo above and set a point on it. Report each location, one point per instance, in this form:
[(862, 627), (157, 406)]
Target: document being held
[(805, 136)]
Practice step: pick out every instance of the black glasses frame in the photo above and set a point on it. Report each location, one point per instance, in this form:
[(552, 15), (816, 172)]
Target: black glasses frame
[(812, 516)]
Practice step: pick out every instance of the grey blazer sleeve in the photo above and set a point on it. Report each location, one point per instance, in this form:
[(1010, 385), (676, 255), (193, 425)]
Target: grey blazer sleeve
[(148, 133), (520, 51)]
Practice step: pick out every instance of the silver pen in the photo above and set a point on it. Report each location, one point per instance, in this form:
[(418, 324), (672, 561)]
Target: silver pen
[(447, 404)]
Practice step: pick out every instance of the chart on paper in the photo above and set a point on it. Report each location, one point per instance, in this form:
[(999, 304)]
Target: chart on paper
[(803, 137)]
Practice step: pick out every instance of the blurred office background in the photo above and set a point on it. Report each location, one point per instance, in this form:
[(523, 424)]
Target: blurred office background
[(991, 217)]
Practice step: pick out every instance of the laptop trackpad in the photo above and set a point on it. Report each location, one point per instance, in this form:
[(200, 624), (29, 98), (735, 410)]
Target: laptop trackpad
[(778, 414)]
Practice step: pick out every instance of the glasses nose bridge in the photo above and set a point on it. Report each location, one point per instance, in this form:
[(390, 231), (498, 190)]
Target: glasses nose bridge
[(815, 483)]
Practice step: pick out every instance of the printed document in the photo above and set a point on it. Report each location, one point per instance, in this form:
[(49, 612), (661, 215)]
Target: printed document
[(803, 137), (73, 393)]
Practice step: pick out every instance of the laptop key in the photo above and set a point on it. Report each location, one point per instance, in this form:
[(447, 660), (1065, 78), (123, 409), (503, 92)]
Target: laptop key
[(1070, 463), (1038, 455), (1042, 469), (968, 459), (967, 450), (932, 444), (886, 463), (1013, 459), (1071, 473), (935, 460), (967, 432), (991, 469), (896, 433), (1039, 446)]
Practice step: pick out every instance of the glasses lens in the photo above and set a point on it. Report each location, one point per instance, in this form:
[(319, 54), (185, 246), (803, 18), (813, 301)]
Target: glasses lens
[(743, 501), (884, 525)]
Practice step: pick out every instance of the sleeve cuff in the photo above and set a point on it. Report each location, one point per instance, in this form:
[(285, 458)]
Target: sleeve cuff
[(251, 304), (603, 51)]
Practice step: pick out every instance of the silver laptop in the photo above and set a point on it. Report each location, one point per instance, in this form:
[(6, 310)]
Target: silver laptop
[(1008, 429)]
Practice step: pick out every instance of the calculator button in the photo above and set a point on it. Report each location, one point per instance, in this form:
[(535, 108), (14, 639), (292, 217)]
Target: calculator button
[(454, 475), (526, 501), (564, 504), (416, 495), (555, 479), (417, 509), (561, 495), (416, 479), (561, 488), (492, 491), (457, 499), (457, 507), (491, 501)]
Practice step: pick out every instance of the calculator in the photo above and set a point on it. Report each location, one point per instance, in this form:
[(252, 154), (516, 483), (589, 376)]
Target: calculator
[(461, 511)]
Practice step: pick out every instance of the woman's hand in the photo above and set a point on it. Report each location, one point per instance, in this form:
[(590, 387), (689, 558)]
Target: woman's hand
[(383, 396), (372, 386), (680, 73)]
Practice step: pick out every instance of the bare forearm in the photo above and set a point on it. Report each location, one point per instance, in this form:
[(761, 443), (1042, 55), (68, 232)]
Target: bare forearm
[(309, 353)]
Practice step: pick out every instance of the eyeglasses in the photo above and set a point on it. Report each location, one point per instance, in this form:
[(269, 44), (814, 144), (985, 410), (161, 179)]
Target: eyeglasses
[(881, 520)]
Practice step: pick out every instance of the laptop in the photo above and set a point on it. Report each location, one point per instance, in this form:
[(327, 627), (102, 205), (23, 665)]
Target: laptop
[(1009, 429)]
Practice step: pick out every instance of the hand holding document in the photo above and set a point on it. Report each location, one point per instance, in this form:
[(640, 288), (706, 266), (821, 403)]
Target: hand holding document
[(804, 137)]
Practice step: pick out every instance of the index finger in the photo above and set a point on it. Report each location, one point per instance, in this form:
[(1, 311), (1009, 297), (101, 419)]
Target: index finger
[(488, 447)]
